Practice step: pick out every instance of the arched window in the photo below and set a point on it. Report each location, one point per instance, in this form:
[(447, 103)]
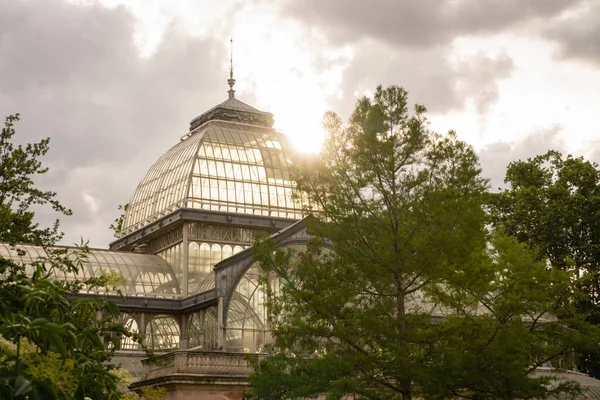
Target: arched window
[(162, 333), (227, 252), (127, 343), (194, 258), (215, 254), (205, 266), (247, 322)]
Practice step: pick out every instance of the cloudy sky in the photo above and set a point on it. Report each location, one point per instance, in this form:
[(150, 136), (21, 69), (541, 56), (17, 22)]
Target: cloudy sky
[(114, 83)]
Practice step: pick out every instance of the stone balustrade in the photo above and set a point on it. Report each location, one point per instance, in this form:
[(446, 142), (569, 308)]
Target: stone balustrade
[(200, 363)]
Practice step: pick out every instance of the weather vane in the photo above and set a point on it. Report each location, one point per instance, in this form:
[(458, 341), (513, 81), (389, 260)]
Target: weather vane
[(231, 81)]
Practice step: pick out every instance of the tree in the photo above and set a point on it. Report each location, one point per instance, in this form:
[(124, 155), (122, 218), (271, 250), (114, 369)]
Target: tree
[(51, 346), (402, 292), (553, 203), (117, 225), (18, 167), (504, 328)]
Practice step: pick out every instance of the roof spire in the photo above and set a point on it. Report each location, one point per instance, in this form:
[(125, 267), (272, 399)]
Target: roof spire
[(231, 81)]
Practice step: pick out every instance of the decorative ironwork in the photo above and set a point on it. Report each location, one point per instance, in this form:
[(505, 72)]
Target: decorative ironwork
[(163, 241), (224, 113), (222, 234)]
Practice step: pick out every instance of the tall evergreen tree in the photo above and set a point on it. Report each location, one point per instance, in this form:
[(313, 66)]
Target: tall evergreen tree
[(402, 293)]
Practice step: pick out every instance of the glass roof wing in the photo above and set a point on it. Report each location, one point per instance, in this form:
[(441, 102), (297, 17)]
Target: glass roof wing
[(144, 273)]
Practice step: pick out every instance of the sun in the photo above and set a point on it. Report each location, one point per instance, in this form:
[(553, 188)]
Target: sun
[(302, 125)]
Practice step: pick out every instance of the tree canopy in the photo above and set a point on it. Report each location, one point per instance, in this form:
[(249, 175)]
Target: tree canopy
[(552, 203), (19, 166), (51, 346), (404, 292)]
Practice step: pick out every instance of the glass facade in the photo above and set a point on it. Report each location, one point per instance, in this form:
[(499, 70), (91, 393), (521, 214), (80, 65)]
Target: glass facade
[(248, 328), (202, 257), (224, 166), (164, 188)]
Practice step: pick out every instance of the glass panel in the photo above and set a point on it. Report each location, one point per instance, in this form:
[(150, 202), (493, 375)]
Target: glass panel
[(227, 251), (215, 254), (194, 258), (216, 150), (205, 258), (225, 152)]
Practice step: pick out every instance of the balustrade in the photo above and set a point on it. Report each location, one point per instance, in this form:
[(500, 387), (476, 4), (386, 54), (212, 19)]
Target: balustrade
[(204, 363)]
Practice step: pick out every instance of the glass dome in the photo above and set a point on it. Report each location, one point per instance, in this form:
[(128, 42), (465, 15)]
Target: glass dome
[(221, 166)]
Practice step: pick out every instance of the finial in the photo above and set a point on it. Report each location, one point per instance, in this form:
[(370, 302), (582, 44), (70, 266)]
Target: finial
[(231, 81)]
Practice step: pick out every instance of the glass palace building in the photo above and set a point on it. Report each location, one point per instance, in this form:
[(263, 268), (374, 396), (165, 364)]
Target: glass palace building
[(192, 288), (197, 209)]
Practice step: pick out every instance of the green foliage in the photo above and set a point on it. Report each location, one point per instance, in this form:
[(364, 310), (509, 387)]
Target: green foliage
[(503, 327), (51, 346), (68, 357), (153, 393), (402, 292), (553, 204), (18, 168), (124, 379), (117, 225)]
